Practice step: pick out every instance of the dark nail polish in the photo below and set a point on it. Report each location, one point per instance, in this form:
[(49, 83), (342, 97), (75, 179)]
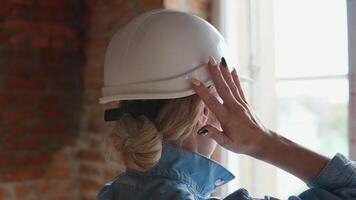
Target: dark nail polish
[(203, 132), (223, 62)]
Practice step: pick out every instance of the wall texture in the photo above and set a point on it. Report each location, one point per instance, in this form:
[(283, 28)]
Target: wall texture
[(41, 88), (51, 73)]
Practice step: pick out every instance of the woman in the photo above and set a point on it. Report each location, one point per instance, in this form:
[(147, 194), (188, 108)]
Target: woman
[(166, 143)]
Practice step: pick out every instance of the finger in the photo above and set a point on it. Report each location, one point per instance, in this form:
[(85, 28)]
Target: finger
[(221, 86), (236, 79), (209, 99), (214, 133), (228, 78)]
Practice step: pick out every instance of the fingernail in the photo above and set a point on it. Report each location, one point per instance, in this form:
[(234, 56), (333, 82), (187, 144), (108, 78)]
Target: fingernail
[(223, 62), (203, 132), (195, 81), (212, 60)]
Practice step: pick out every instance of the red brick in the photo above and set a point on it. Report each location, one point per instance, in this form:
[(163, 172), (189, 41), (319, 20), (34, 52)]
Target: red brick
[(5, 10), (15, 40), (62, 197), (22, 191), (93, 72), (19, 25), (200, 6), (39, 159), (108, 174), (90, 156), (17, 70), (21, 2), (16, 144), (17, 130), (57, 44), (53, 113), (94, 127), (65, 185), (67, 141), (17, 54), (59, 30), (50, 56), (43, 188), (90, 185), (24, 85), (74, 45), (52, 3), (62, 15), (2, 164), (61, 87), (30, 100), (5, 99), (97, 44), (50, 99), (4, 130), (38, 129), (60, 157), (122, 7), (57, 128), (23, 175), (52, 15), (42, 71), (39, 42), (88, 171), (3, 38), (94, 143), (4, 193), (96, 86), (15, 116), (151, 3), (58, 172), (20, 11)]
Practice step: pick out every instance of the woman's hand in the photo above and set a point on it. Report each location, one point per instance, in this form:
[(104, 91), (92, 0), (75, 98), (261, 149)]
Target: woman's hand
[(242, 130), (243, 133)]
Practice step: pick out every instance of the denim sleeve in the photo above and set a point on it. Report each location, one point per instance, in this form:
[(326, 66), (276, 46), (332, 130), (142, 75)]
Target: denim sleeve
[(336, 181)]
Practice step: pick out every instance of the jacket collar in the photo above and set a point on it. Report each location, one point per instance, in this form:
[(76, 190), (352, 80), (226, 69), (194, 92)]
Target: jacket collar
[(196, 170)]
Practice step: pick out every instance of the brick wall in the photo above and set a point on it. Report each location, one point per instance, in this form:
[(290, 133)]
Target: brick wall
[(41, 86), (51, 125), (201, 8)]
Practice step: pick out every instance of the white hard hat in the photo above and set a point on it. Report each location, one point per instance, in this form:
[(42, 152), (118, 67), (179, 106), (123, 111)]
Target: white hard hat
[(154, 55)]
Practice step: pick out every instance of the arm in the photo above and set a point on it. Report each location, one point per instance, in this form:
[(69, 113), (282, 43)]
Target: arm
[(243, 133), (291, 157)]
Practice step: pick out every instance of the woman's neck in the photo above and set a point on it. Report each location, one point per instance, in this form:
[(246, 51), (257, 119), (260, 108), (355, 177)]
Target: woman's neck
[(195, 145)]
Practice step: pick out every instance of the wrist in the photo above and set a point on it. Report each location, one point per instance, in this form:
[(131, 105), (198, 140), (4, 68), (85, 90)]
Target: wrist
[(269, 145)]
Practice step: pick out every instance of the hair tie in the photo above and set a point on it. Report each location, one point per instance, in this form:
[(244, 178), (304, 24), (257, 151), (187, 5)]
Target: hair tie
[(136, 109)]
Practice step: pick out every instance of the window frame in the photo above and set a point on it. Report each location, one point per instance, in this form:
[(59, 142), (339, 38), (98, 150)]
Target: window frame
[(256, 27)]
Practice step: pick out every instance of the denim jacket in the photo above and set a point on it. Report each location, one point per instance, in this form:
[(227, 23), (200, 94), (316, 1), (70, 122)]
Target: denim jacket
[(182, 174)]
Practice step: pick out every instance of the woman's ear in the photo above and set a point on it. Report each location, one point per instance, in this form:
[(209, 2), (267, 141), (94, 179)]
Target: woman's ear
[(205, 114), (206, 110)]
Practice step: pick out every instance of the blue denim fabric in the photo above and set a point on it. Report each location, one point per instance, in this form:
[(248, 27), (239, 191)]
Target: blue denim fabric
[(182, 174)]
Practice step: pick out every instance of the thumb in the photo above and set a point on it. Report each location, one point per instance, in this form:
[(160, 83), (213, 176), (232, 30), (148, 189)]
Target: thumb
[(214, 133)]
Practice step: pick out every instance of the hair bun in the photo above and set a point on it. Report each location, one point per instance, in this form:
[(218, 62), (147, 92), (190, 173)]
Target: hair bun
[(138, 140)]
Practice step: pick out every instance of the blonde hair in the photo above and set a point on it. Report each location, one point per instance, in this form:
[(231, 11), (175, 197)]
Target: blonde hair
[(137, 141)]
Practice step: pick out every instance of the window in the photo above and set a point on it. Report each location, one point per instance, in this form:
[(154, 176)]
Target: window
[(296, 52)]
